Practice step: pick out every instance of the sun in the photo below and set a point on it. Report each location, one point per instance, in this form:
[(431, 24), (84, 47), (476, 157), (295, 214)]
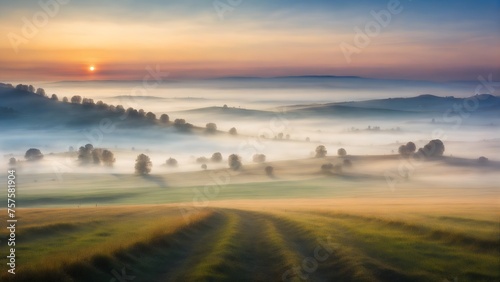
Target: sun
[(91, 68)]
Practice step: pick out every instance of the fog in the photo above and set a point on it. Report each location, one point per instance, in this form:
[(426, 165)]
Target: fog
[(255, 110)]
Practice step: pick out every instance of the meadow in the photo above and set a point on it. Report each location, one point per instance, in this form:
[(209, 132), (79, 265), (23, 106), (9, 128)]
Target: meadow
[(349, 239)]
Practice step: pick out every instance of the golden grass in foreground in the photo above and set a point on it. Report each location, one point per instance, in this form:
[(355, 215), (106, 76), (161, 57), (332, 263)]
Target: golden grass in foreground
[(268, 240)]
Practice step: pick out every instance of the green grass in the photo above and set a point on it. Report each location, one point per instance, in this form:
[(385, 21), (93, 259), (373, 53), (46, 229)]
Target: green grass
[(257, 243)]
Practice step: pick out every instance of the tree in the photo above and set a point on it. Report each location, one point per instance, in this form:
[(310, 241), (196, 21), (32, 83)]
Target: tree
[(483, 160), (211, 127), (41, 92), (12, 161), (347, 163), (259, 158), (76, 99), (85, 154), (151, 116), (435, 148), (202, 160), (164, 118), (31, 89), (327, 167), (216, 157), (143, 165), (204, 166), (172, 162), (269, 170), (96, 156), (233, 131), (280, 135), (33, 154), (341, 152), (321, 151), (234, 162), (108, 158), (408, 149), (65, 100)]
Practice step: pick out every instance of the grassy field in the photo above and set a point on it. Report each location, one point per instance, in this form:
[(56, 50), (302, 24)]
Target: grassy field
[(346, 239)]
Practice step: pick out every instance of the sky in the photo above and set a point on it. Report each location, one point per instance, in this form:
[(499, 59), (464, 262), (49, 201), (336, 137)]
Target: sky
[(54, 40)]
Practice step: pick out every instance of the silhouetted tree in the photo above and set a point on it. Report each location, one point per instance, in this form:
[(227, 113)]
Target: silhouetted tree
[(41, 92), (202, 160), (233, 131), (151, 116), (483, 160), (120, 109), (54, 97), (327, 167), (435, 148), (164, 118), (347, 163), (172, 162), (141, 113), (143, 164), (22, 87), (108, 158), (234, 162), (33, 154), (259, 158), (31, 89), (76, 99), (65, 100), (211, 127), (216, 157), (408, 149), (85, 154), (269, 170), (341, 152), (321, 151), (96, 156)]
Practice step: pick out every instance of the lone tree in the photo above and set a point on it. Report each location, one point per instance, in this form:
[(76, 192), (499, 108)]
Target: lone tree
[(33, 154), (321, 151), (172, 162), (216, 157), (269, 170), (234, 162), (164, 118), (233, 131), (341, 152), (408, 149), (259, 158), (108, 158), (211, 127), (435, 148), (143, 165), (204, 166)]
